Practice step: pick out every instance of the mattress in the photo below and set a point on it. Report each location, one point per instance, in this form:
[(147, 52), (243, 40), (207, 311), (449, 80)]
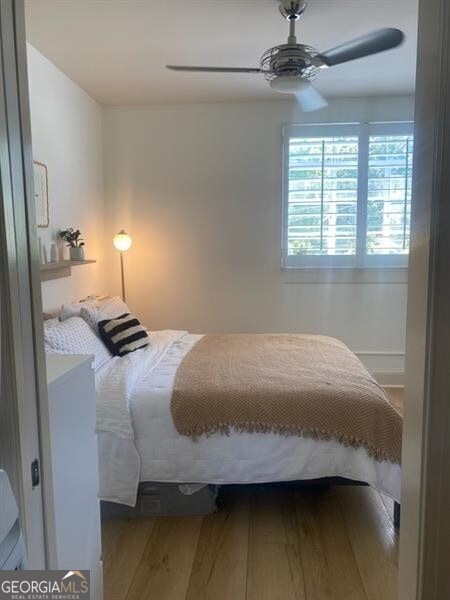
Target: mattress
[(159, 453)]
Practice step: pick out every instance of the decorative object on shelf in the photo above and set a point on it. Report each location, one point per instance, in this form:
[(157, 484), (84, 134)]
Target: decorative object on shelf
[(53, 254), (74, 242), (122, 242), (41, 252), (76, 253), (44, 254), (41, 194)]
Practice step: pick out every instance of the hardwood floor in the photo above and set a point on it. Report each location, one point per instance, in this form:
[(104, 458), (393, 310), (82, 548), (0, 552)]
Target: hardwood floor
[(262, 544)]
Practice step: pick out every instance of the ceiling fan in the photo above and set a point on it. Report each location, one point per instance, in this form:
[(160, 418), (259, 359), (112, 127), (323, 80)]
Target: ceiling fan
[(290, 68)]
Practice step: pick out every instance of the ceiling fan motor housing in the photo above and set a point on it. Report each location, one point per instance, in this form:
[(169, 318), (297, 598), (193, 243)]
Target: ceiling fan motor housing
[(294, 60)]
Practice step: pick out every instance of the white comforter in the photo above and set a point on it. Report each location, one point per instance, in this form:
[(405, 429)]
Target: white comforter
[(138, 441)]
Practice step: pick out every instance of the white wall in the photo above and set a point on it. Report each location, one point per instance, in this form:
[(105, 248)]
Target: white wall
[(199, 189), (66, 129)]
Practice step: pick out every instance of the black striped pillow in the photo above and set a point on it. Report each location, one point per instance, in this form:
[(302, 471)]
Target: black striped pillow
[(123, 334)]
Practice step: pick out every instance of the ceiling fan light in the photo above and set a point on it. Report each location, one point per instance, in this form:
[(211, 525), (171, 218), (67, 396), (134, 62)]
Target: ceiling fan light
[(289, 84)]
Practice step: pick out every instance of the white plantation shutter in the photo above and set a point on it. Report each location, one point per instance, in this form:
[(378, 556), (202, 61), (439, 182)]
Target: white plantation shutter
[(347, 195), (389, 194), (322, 199)]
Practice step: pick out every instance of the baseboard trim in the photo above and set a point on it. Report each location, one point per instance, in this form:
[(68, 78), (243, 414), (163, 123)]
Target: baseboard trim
[(388, 367), (389, 378), (382, 361)]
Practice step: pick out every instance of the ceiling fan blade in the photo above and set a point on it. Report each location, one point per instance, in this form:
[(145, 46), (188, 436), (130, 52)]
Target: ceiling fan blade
[(309, 99), (212, 69), (377, 41)]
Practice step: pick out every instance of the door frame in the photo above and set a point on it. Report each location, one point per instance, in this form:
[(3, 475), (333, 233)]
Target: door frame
[(23, 378), (425, 531)]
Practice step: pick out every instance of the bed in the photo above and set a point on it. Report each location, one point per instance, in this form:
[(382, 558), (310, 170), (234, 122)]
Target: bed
[(138, 439), (198, 410)]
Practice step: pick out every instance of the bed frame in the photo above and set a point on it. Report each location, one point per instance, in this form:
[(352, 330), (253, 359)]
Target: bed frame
[(159, 499), (326, 482)]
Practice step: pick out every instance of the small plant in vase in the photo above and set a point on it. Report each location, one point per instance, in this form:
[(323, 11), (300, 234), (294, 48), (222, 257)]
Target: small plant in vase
[(74, 242)]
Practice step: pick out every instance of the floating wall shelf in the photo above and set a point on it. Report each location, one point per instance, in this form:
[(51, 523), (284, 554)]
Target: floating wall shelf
[(63, 268)]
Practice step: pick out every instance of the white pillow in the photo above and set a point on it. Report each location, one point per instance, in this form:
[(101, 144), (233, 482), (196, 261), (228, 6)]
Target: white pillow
[(73, 310), (110, 309), (74, 336)]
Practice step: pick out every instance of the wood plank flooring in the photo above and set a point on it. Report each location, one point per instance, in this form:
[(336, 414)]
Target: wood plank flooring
[(262, 544), (277, 543)]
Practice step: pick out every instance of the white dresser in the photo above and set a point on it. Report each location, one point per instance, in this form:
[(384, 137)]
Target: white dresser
[(73, 510)]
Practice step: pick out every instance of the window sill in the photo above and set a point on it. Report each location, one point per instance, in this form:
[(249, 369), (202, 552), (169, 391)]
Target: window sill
[(345, 275)]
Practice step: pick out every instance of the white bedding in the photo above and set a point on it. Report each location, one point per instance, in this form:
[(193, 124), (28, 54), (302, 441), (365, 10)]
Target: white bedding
[(138, 441)]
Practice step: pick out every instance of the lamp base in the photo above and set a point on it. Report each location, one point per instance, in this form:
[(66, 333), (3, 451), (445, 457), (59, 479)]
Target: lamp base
[(123, 276)]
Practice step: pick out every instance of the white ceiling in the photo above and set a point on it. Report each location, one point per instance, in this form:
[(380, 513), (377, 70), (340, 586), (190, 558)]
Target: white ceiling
[(116, 49)]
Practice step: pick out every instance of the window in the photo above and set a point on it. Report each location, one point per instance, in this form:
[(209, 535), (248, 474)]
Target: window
[(347, 195)]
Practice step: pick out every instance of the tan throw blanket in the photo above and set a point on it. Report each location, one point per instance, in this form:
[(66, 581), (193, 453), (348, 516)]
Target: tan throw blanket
[(311, 386)]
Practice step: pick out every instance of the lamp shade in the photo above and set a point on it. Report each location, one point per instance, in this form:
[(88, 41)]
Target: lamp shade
[(122, 241)]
